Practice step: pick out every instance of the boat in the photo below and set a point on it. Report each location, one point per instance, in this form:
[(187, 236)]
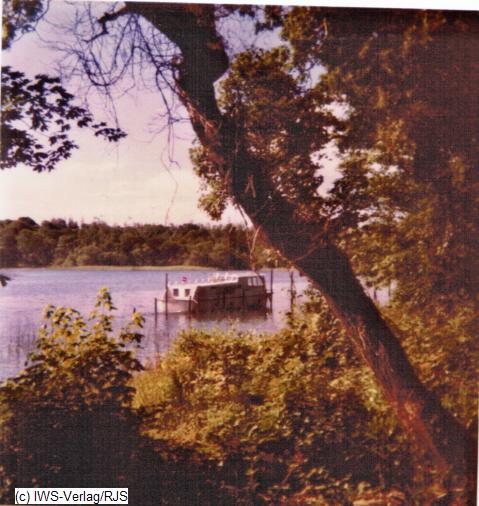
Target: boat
[(219, 292)]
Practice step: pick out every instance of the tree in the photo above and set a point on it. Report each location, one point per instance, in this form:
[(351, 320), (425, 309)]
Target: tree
[(421, 170), (37, 114), (410, 175), (310, 244), (39, 108), (35, 248), (264, 159), (75, 384), (20, 17)]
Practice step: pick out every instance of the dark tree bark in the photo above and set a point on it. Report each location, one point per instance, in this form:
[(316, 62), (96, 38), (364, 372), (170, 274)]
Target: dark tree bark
[(192, 28)]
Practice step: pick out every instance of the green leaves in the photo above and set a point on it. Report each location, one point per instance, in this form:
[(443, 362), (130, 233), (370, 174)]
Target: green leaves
[(25, 243), (293, 413), (71, 405), (79, 362), (276, 120), (37, 116)]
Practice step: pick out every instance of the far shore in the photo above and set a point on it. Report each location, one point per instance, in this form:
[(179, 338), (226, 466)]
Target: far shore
[(136, 268), (125, 268)]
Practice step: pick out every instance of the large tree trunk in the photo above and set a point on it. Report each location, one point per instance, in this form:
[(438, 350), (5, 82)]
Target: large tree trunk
[(192, 28)]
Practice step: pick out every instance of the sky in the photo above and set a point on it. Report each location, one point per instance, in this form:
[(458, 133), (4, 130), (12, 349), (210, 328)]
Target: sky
[(145, 178)]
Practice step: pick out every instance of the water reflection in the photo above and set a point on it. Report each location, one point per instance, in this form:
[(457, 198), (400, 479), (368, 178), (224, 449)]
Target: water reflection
[(14, 350)]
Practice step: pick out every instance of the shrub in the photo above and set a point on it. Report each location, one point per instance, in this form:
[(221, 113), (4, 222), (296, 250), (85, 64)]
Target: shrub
[(290, 418), (66, 417)]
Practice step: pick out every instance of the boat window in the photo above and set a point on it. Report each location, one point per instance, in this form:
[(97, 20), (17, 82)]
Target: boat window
[(176, 292), (187, 292)]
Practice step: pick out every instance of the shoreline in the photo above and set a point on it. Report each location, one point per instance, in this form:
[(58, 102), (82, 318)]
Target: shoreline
[(117, 268), (136, 268)]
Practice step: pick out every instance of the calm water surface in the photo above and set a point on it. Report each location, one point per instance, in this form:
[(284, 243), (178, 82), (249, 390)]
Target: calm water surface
[(30, 290)]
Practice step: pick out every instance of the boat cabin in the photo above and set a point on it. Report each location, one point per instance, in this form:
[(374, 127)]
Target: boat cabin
[(220, 292)]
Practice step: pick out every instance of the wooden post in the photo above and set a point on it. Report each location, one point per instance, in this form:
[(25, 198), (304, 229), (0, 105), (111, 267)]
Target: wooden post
[(166, 294), (292, 289), (156, 308), (271, 289), (189, 306)]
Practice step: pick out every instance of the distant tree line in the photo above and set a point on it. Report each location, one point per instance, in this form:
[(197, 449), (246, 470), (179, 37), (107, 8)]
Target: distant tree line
[(25, 243)]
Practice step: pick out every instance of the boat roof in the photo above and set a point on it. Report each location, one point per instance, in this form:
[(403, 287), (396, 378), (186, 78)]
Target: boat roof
[(217, 279)]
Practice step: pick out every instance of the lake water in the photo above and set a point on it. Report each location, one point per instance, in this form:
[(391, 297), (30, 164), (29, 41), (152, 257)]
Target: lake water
[(30, 290)]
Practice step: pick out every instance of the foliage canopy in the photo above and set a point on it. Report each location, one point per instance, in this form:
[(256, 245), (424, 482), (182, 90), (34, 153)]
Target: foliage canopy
[(24, 243), (37, 116)]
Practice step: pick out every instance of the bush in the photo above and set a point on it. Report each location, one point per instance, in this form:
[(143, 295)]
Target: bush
[(67, 420), (290, 418), (223, 418), (66, 416)]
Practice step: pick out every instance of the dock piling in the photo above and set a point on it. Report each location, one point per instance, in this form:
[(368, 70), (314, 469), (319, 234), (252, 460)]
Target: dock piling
[(271, 289), (166, 294), (292, 289)]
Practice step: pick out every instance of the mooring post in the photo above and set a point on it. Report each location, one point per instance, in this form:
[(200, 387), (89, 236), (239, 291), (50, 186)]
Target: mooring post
[(292, 289), (156, 308), (166, 294), (271, 289)]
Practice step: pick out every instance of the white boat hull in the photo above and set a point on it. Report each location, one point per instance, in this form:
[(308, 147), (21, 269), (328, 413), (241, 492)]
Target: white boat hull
[(223, 293), (176, 306)]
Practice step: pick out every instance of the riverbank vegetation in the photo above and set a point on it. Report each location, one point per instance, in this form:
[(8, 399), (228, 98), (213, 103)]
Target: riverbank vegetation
[(67, 419), (291, 418), (58, 243)]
